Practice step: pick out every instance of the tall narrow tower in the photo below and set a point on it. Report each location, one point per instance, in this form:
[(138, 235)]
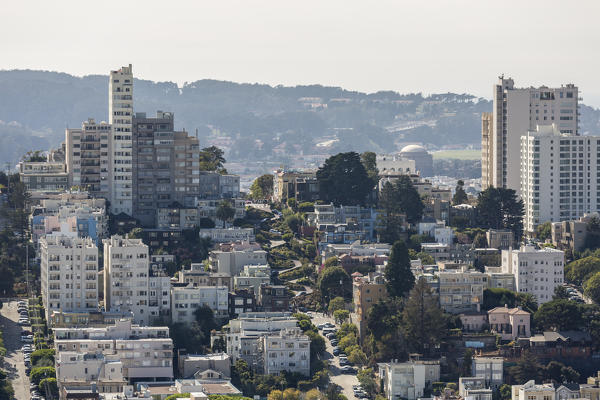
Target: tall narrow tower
[(120, 114)]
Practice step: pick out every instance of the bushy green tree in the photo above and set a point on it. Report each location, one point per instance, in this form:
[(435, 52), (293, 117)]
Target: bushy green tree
[(558, 315), (499, 208), (591, 287), (262, 187), (579, 271), (334, 282), (544, 231), (337, 303), (212, 159), (343, 180), (460, 196)]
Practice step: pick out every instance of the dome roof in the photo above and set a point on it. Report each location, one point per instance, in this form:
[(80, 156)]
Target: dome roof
[(413, 148)]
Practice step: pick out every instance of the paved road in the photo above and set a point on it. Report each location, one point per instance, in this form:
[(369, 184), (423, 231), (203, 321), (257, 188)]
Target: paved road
[(12, 340), (344, 380)]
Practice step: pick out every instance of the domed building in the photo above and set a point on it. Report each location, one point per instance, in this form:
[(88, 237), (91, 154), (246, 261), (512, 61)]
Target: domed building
[(423, 160)]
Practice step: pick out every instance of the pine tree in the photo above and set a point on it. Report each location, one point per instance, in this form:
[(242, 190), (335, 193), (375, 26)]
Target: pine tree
[(399, 277)]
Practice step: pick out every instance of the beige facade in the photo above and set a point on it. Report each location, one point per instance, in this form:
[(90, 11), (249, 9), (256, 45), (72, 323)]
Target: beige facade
[(501, 239), (461, 290), (408, 380), (516, 111), (366, 291), (510, 323)]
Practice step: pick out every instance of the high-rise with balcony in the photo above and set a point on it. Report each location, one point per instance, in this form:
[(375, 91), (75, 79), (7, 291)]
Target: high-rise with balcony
[(126, 277), (69, 273), (88, 158), (559, 176), (120, 114), (517, 111)]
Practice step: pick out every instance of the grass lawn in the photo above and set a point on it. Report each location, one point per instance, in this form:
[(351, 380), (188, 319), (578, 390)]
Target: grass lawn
[(458, 154)]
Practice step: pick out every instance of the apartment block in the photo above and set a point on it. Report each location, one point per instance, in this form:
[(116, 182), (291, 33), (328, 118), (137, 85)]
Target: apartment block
[(241, 301), (533, 391), (225, 235), (145, 352), (350, 218), (571, 234), (558, 176), (44, 176), (502, 239), (515, 112), (198, 276), (473, 388), (273, 298), (207, 208), (190, 364), (244, 334), (120, 116), (69, 273), (88, 157), (126, 277), (302, 186), (461, 290), (186, 299), (367, 291), (252, 276), (79, 370), (491, 369), (536, 271), (288, 350), (231, 259), (166, 166), (408, 380)]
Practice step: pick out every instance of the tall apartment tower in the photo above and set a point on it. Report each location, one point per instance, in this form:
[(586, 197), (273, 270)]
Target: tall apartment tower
[(69, 273), (517, 111), (559, 176), (88, 157), (166, 166), (120, 114), (126, 277)]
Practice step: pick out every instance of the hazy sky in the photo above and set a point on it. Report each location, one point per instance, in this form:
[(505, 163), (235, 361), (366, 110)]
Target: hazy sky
[(406, 46)]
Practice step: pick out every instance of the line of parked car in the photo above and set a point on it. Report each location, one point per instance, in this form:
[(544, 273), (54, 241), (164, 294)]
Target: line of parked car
[(28, 347), (574, 294), (329, 331)]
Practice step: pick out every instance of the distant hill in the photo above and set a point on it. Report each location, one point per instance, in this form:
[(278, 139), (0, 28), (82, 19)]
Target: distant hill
[(251, 121)]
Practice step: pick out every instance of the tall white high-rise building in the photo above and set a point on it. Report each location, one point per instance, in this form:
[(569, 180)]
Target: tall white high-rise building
[(126, 277), (559, 176), (120, 114), (69, 273), (517, 111)]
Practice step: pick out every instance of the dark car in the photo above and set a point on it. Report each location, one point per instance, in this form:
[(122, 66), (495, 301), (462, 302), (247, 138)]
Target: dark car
[(336, 351), (347, 370)]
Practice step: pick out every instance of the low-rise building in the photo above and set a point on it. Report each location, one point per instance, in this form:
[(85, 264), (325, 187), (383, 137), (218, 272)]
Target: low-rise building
[(190, 364), (356, 249), (207, 208), (491, 369), (231, 259), (225, 235), (439, 251), (502, 239), (461, 290), (145, 352), (197, 275), (571, 234), (563, 344), (80, 370), (44, 176), (533, 391), (536, 271), (408, 380), (302, 186), (287, 350), (473, 321), (351, 218), (474, 388), (186, 299), (366, 291), (510, 323), (92, 319), (273, 298), (202, 388), (252, 276), (241, 301)]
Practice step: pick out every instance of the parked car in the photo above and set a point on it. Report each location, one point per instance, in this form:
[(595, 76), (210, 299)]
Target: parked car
[(336, 351), (334, 342), (330, 335), (348, 370), (344, 361)]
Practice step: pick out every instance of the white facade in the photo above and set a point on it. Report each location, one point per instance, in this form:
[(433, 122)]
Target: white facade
[(224, 235), (120, 114), (232, 262), (387, 163), (159, 295), (461, 290), (517, 111), (252, 277), (533, 391), (185, 300), (126, 277), (69, 273), (288, 350), (558, 176), (82, 369), (146, 353), (408, 380), (537, 272)]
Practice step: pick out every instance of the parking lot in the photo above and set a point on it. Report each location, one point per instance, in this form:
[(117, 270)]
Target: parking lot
[(13, 362)]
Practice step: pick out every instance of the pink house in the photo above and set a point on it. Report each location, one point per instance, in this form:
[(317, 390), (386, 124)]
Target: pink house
[(510, 323)]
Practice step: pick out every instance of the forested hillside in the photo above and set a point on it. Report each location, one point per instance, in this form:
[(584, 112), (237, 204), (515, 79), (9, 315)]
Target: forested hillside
[(251, 121)]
